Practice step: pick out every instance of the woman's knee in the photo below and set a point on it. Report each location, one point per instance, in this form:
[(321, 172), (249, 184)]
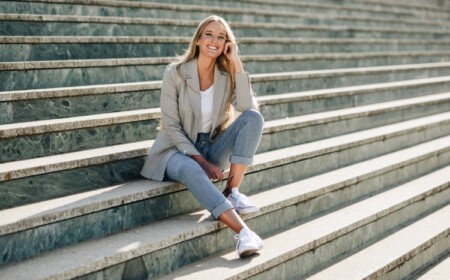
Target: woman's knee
[(254, 117)]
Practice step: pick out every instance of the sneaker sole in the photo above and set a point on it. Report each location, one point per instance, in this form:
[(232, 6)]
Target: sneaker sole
[(247, 253), (247, 211)]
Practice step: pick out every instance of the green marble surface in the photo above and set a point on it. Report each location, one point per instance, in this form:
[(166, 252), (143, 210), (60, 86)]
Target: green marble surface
[(288, 138), (348, 243), (176, 256), (94, 225), (313, 82), (57, 184), (36, 52), (51, 78), (317, 105), (45, 78), (127, 216), (32, 146), (39, 28), (65, 51), (253, 16), (71, 106)]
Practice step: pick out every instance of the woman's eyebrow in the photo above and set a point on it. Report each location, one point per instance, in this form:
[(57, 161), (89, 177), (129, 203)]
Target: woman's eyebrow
[(209, 30)]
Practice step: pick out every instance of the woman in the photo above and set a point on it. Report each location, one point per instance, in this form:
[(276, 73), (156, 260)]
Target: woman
[(199, 137)]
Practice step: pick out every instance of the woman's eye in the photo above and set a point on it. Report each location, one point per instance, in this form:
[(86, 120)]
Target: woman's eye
[(221, 38), (208, 35)]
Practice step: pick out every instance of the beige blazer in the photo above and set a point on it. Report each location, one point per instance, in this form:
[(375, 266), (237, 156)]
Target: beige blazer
[(181, 109)]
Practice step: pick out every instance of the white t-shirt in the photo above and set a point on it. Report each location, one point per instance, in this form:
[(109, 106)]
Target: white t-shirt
[(205, 124)]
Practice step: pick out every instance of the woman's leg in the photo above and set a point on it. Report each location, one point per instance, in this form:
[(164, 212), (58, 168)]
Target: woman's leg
[(237, 145), (182, 168)]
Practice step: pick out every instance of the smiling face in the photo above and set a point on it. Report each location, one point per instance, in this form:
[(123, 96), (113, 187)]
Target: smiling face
[(212, 41)]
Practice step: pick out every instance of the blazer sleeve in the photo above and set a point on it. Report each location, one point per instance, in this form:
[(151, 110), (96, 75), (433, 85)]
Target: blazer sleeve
[(243, 97), (170, 113)]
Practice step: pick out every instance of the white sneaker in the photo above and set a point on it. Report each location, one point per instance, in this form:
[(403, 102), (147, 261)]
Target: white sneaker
[(248, 243), (241, 203)]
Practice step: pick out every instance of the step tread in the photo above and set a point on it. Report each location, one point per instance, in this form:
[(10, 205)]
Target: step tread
[(264, 77), (439, 272), (350, 90), (94, 120), (32, 215), (63, 124), (177, 7), (235, 25), (402, 246), (186, 40), (30, 167), (293, 242), (341, 114), (93, 255)]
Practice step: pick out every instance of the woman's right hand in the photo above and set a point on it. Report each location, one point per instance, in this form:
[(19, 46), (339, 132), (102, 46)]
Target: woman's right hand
[(213, 171)]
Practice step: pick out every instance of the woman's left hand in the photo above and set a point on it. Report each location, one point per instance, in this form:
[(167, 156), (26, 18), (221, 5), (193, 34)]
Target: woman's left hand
[(231, 52)]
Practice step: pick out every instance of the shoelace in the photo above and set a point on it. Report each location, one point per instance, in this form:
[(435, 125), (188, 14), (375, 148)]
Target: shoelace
[(242, 200), (239, 239)]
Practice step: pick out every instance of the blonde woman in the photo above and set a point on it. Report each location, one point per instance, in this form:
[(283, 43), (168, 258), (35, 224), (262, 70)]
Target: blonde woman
[(199, 137)]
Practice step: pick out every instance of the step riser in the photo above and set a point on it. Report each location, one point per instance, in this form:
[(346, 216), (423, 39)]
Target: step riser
[(82, 76), (181, 254), (36, 188), (294, 171), (298, 108), (340, 8), (88, 10), (52, 143), (43, 187), (72, 106), (39, 28), (323, 255), (114, 220), (287, 138), (44, 52), (48, 108), (262, 88), (419, 262)]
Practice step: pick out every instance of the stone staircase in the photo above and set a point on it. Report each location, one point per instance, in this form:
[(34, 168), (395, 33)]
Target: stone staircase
[(352, 174)]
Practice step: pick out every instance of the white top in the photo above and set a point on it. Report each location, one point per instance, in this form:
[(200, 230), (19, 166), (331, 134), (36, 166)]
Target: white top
[(205, 124)]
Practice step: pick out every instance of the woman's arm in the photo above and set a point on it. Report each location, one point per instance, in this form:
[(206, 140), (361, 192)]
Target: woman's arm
[(243, 98)]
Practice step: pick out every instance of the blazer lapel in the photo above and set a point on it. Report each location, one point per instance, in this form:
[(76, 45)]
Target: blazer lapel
[(220, 94), (193, 89)]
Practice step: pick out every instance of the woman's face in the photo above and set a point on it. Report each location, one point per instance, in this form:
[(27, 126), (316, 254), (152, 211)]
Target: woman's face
[(212, 41)]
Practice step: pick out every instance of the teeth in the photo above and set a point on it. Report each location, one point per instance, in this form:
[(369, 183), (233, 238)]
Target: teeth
[(212, 48)]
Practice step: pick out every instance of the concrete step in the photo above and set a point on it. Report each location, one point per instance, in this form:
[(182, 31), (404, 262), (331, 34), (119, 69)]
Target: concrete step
[(293, 104), (133, 9), (439, 271), (32, 48), (67, 25), (398, 256), (33, 180), (84, 100), (34, 139), (334, 123), (69, 219), (171, 241), (39, 74), (346, 228), (400, 10), (28, 140)]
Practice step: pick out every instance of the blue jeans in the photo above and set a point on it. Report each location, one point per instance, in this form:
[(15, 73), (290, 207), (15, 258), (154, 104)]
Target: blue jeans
[(237, 144)]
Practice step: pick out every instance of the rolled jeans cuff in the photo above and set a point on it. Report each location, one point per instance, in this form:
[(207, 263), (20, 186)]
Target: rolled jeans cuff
[(241, 160), (216, 212)]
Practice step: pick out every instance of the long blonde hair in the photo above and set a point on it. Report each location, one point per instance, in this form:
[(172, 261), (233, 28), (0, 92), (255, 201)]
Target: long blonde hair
[(223, 63)]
